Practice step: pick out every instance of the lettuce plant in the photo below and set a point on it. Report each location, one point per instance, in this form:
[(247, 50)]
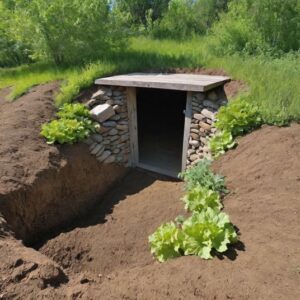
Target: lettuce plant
[(166, 242), (199, 198), (207, 230), (220, 143), (238, 117), (74, 124), (201, 175)]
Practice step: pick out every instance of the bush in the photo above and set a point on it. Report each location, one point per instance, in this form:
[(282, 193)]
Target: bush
[(201, 175), (166, 242), (74, 125), (220, 143), (199, 198), (237, 118), (207, 230)]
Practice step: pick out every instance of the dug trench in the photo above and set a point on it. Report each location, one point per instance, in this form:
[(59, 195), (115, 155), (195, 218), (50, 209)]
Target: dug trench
[(104, 252)]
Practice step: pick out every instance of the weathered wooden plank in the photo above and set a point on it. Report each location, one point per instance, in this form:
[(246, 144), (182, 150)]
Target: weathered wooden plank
[(182, 82), (187, 126), (133, 130)]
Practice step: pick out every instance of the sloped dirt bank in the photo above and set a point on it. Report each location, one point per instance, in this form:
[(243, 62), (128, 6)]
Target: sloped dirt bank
[(264, 179), (43, 187)]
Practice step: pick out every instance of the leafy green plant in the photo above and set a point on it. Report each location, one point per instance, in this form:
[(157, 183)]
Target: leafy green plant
[(166, 242), (74, 125), (207, 230), (199, 198), (238, 117), (201, 175), (220, 143)]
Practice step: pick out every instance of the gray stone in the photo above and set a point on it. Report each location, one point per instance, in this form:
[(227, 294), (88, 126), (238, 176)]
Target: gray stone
[(91, 103), (124, 137), (200, 96), (190, 152), (223, 102), (199, 116), (115, 118), (110, 102), (113, 132), (92, 146), (118, 102), (110, 124), (210, 104), (100, 150), (195, 130), (103, 156), (109, 160), (106, 142), (205, 126), (203, 140), (194, 126), (194, 143), (104, 129), (102, 112), (208, 114), (122, 127), (116, 151), (98, 138), (88, 141), (195, 136), (117, 93), (97, 149), (114, 138), (117, 108), (98, 95), (123, 122), (123, 115), (194, 157), (212, 96)]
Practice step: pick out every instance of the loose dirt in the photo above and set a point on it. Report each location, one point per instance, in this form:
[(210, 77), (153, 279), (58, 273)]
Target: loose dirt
[(105, 255)]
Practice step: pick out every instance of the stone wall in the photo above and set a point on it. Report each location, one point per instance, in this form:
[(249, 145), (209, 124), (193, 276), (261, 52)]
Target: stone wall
[(204, 109), (109, 107)]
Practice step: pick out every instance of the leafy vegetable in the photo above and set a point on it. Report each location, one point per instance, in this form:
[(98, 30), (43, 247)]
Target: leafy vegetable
[(199, 198), (207, 230), (166, 242), (74, 125), (220, 143), (238, 117), (201, 175)]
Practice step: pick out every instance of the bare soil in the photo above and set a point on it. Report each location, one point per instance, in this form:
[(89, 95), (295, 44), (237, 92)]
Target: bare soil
[(105, 255)]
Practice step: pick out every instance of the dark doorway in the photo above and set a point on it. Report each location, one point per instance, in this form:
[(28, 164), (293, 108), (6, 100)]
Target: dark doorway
[(160, 115)]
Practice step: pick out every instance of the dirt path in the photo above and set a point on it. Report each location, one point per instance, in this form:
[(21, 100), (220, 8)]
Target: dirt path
[(264, 179)]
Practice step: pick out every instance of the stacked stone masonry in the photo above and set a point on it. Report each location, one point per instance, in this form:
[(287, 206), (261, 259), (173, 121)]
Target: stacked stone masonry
[(108, 106), (204, 109)]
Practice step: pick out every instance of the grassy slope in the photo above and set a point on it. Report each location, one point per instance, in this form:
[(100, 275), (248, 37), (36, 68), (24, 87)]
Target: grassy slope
[(274, 84)]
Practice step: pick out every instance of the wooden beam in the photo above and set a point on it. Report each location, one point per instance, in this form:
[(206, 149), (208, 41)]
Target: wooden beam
[(187, 128), (133, 130)]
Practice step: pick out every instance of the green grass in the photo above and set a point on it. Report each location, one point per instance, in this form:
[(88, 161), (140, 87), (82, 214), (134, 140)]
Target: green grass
[(274, 83)]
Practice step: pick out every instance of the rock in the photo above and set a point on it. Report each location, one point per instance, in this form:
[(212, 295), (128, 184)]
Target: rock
[(106, 142), (100, 150), (194, 143), (92, 146), (222, 102), (212, 96), (98, 138), (117, 108), (114, 138), (209, 121), (109, 160), (205, 126), (110, 124), (104, 156), (208, 114), (104, 129), (115, 118), (91, 103), (194, 126), (124, 137), (210, 104), (110, 102), (102, 112), (195, 130), (116, 151), (200, 96), (194, 157), (97, 149), (123, 115), (203, 140), (98, 95), (122, 127), (113, 131), (190, 152), (199, 116), (117, 93), (195, 136), (123, 122), (88, 141)]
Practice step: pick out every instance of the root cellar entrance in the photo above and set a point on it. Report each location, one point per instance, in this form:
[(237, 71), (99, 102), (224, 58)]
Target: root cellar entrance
[(160, 118)]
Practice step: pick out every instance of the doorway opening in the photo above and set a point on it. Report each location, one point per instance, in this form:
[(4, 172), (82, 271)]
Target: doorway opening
[(160, 117)]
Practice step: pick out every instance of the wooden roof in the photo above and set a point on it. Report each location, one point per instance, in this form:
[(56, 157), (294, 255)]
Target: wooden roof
[(182, 82)]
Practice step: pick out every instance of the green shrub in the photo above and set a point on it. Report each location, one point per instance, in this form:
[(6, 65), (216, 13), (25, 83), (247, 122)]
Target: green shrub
[(166, 242), (201, 175), (74, 124), (207, 230), (238, 117), (220, 143), (199, 198)]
